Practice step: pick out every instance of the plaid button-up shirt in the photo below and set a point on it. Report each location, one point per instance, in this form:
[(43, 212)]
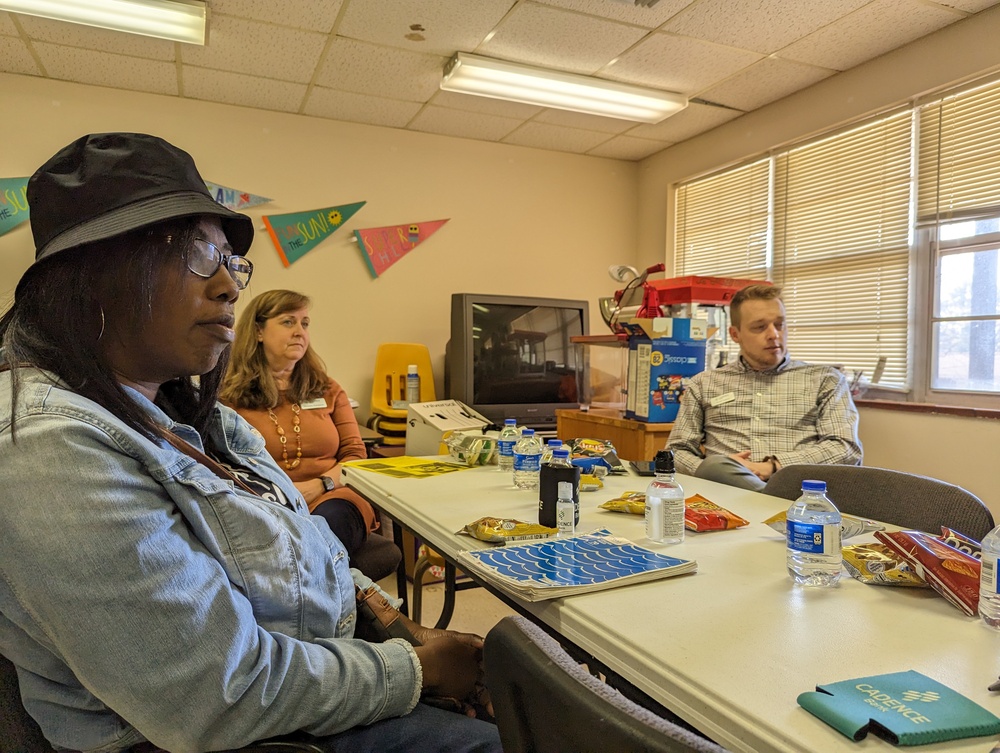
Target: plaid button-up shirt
[(796, 412)]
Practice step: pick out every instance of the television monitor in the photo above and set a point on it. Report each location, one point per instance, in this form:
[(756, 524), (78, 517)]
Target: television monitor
[(511, 356)]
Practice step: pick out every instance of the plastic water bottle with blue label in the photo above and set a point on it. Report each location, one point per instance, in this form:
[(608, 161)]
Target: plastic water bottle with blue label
[(412, 384), (527, 460), (813, 533), (550, 445), (505, 444), (989, 588)]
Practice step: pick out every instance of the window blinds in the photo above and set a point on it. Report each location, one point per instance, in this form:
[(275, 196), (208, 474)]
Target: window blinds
[(841, 247), (959, 157), (722, 224)]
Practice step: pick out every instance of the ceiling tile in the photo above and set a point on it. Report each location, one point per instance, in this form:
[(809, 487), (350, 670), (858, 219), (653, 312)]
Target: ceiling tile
[(584, 120), (105, 40), (258, 49), (304, 14), (558, 39), (469, 125), (971, 6), (650, 18), (849, 41), (694, 119), (241, 89), (443, 27), (487, 105), (102, 69), (360, 108), (7, 27), (15, 58), (544, 136), (760, 25), (764, 82), (679, 64), (364, 68), (628, 147)]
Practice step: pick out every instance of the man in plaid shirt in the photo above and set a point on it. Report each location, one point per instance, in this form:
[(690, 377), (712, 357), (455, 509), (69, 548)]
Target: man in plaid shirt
[(740, 423)]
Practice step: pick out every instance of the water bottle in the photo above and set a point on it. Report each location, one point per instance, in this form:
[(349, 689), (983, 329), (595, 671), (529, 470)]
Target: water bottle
[(566, 510), (527, 460), (813, 535), (412, 384), (552, 444), (989, 593), (505, 444), (664, 502)]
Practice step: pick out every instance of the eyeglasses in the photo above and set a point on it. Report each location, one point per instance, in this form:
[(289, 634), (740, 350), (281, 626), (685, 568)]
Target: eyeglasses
[(204, 258)]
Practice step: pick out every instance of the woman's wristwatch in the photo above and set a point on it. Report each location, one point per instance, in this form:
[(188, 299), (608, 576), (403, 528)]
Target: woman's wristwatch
[(328, 483)]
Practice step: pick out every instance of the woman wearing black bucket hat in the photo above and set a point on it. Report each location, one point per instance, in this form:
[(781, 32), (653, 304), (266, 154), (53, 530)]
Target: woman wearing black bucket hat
[(160, 578)]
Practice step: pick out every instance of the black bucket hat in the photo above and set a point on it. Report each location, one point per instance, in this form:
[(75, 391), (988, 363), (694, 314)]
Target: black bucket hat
[(107, 184)]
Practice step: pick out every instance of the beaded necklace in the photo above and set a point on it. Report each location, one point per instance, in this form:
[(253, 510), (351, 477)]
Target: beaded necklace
[(297, 428)]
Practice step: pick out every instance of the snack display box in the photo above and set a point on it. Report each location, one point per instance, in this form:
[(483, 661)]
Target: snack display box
[(711, 290)]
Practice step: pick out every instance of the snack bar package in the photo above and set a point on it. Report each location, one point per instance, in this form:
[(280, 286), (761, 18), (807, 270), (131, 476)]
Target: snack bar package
[(849, 525), (953, 574), (701, 514), (878, 565), (633, 503), (506, 530), (604, 453), (961, 542)]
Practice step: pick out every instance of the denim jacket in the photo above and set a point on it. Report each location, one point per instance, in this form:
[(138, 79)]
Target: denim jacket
[(143, 597)]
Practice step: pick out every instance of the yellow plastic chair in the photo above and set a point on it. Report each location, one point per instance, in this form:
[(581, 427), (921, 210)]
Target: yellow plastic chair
[(389, 383)]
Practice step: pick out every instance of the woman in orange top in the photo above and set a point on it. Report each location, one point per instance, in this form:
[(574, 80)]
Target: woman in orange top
[(280, 386)]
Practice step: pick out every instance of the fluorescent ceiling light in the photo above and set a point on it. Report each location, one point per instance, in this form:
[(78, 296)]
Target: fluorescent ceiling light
[(178, 20), (471, 74)]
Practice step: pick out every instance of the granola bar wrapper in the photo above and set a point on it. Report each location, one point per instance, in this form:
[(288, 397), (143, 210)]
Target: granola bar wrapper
[(850, 525), (953, 574), (878, 565), (701, 514), (506, 530), (633, 503)]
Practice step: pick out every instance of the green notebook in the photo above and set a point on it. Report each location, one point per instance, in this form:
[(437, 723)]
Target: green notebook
[(905, 708)]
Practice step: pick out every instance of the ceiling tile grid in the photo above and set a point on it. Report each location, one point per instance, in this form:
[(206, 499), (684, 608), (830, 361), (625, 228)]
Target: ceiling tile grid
[(844, 44), (380, 61), (552, 38), (556, 138), (359, 108), (15, 58), (104, 69)]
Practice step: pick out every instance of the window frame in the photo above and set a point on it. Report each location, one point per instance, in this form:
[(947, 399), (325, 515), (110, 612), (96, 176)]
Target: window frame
[(924, 260)]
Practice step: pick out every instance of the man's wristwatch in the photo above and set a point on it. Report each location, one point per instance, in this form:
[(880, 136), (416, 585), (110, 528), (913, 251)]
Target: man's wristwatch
[(328, 483), (773, 461)]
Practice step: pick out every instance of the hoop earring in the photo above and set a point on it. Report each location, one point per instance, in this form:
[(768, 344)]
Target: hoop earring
[(101, 333)]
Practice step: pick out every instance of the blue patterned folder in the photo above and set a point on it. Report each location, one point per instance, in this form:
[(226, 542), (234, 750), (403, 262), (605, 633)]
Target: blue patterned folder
[(566, 566)]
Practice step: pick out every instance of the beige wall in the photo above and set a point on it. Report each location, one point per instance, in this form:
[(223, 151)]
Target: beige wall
[(522, 221), (959, 450)]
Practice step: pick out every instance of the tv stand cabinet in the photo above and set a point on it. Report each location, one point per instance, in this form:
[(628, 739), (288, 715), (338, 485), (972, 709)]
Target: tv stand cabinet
[(634, 440)]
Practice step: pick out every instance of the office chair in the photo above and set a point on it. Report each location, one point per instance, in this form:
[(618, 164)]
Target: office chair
[(903, 499), (547, 703), (19, 733), (378, 557)]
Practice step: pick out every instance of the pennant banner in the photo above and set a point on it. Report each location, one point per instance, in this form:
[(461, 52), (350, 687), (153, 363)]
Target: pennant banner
[(13, 203), (233, 199), (294, 235), (384, 246)]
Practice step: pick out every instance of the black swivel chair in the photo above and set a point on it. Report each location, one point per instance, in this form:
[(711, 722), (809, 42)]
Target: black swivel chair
[(547, 703), (20, 734), (902, 499)]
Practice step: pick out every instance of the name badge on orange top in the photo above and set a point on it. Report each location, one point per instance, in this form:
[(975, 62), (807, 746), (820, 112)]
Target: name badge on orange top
[(313, 404), (715, 402)]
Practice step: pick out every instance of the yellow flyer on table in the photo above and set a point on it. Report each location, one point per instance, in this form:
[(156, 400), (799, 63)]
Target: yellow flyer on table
[(405, 466)]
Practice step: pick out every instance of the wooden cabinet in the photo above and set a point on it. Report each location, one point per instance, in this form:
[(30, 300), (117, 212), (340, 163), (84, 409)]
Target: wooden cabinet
[(634, 440)]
